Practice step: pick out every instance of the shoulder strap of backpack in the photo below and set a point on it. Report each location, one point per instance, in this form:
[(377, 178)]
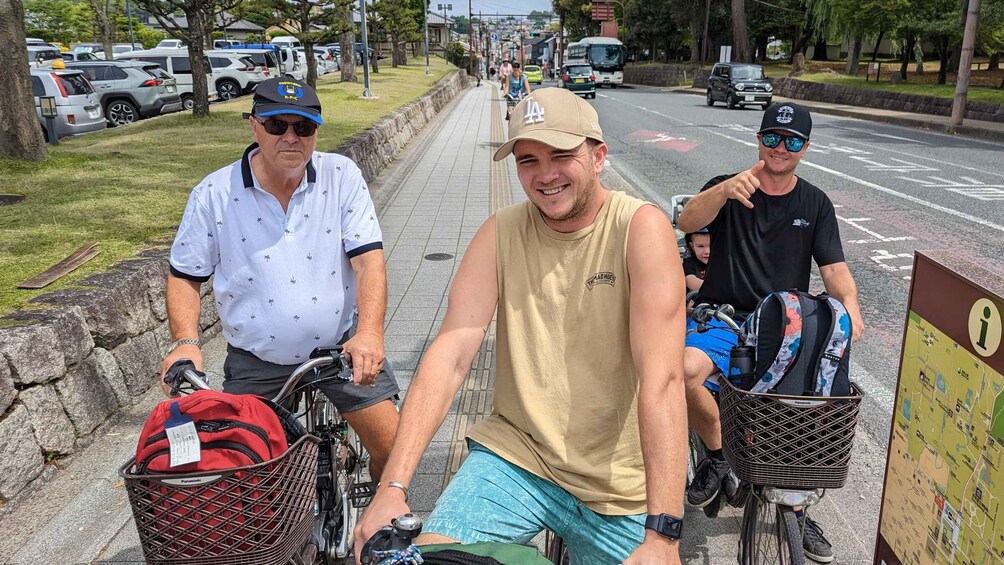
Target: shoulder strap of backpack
[(836, 347), (791, 316)]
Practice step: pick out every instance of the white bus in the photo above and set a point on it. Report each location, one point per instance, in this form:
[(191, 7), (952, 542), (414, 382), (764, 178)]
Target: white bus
[(604, 54)]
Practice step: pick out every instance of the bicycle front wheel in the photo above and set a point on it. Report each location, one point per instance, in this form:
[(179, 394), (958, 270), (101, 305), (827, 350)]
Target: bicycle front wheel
[(770, 534)]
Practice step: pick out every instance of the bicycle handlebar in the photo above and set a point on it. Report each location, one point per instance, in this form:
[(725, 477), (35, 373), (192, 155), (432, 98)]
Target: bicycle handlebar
[(704, 313), (183, 372)]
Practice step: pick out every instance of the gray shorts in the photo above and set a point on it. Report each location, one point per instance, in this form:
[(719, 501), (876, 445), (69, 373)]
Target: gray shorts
[(244, 373)]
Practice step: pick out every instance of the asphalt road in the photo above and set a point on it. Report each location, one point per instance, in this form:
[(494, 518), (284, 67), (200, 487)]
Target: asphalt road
[(896, 190)]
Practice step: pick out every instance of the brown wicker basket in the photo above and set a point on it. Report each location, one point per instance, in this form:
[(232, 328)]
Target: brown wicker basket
[(800, 442), (256, 514)]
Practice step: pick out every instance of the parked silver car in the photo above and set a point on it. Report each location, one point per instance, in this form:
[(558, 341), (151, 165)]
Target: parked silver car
[(77, 107), (128, 91), (42, 56)]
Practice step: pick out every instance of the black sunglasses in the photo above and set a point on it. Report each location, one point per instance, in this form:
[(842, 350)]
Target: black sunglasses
[(792, 143), (274, 126)]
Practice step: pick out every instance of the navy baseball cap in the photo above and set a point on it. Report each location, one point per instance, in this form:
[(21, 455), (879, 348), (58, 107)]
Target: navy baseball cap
[(786, 116), (285, 95)]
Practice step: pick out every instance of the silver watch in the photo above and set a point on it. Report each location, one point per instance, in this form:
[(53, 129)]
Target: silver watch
[(184, 341)]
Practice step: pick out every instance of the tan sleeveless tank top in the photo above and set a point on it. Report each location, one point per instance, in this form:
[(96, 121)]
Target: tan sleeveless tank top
[(565, 400)]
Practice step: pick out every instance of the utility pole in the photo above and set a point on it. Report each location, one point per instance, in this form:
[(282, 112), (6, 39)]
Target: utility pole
[(425, 9), (962, 82), (470, 38), (366, 51), (132, 38)]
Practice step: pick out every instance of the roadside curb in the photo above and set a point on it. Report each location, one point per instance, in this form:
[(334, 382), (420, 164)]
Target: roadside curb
[(930, 123)]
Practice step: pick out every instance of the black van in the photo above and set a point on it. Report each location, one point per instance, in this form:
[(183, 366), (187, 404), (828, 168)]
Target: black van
[(739, 84)]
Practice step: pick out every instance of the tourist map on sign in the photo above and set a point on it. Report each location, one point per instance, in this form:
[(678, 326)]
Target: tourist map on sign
[(945, 481)]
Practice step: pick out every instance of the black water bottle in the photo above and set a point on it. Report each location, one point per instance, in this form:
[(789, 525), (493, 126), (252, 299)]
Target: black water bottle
[(742, 365)]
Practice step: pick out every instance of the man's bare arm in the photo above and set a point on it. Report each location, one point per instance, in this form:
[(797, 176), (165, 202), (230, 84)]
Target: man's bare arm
[(366, 348), (658, 326), (472, 301), (702, 208), (840, 285), (183, 309)]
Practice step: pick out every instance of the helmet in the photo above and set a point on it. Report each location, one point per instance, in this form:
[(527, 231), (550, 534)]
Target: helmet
[(686, 237)]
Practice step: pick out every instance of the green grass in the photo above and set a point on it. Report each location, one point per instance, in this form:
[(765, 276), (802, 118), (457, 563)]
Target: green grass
[(975, 93), (126, 188)]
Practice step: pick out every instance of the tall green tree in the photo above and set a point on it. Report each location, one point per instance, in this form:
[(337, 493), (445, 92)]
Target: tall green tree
[(398, 22), (20, 136), (202, 16), (313, 22)]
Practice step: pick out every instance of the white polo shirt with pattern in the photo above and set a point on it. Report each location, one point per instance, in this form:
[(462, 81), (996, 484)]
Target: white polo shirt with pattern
[(283, 283)]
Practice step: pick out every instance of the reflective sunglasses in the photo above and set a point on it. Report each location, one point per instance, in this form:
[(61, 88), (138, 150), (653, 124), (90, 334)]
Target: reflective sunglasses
[(792, 143), (274, 126)]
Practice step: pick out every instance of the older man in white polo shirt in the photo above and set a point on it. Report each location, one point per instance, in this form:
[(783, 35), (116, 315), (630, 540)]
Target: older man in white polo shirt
[(293, 239)]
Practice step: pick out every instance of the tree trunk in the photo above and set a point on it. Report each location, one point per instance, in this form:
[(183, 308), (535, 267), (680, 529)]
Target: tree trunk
[(740, 33), (20, 136), (943, 56), (878, 42), (102, 20), (995, 62), (696, 39), (308, 52), (197, 55), (396, 52), (761, 47), (819, 53), (907, 54), (853, 54), (955, 58), (348, 43)]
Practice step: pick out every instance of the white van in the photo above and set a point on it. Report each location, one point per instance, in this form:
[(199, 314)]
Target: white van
[(178, 65), (285, 41)]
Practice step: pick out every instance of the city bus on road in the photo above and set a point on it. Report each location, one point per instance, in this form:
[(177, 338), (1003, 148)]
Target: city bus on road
[(604, 54)]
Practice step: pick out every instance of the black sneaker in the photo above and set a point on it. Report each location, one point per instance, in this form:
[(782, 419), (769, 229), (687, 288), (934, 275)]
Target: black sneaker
[(816, 546), (707, 482)]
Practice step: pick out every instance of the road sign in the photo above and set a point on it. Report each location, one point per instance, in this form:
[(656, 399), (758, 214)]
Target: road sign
[(942, 484), (495, 37)]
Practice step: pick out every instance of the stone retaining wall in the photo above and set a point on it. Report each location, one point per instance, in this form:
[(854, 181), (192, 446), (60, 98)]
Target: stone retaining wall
[(69, 364), (672, 75), (902, 102)]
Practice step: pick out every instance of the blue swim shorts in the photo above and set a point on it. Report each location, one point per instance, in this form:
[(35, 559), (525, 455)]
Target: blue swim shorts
[(717, 343), (490, 499)]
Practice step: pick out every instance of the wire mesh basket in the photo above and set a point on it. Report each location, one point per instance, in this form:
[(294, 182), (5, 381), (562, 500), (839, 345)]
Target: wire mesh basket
[(247, 515), (800, 442)]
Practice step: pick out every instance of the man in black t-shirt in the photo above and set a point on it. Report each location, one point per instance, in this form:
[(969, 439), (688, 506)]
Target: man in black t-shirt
[(767, 226)]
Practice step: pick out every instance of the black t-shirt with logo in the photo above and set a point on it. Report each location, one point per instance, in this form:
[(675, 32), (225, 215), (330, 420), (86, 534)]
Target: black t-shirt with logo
[(693, 266), (768, 248)]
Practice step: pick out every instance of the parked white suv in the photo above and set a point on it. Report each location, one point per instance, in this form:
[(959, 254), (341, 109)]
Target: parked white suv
[(178, 65), (233, 74)]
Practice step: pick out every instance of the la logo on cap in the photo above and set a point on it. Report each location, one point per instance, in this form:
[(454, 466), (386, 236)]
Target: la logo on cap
[(785, 114), (534, 113)]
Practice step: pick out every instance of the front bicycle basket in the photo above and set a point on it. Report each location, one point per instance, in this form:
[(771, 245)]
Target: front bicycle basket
[(248, 515), (800, 442)]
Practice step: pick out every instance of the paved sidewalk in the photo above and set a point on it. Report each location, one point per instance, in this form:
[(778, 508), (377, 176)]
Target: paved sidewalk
[(973, 128), (431, 202)]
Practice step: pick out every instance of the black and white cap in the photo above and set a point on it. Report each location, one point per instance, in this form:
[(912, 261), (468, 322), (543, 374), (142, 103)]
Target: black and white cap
[(787, 116)]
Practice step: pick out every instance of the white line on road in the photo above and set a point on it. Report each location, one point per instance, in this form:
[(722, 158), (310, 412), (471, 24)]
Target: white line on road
[(917, 141), (856, 222), (878, 187)]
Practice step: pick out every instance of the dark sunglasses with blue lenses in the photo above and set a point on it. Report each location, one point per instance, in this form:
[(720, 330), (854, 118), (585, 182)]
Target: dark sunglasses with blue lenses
[(274, 126), (792, 143)]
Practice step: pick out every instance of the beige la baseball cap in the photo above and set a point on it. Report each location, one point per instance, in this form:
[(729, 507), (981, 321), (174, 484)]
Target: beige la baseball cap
[(553, 116)]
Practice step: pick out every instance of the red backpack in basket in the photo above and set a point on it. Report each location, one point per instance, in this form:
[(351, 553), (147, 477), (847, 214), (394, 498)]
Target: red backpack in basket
[(234, 430)]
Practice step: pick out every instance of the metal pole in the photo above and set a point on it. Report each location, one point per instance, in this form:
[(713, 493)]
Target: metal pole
[(426, 9), (366, 51), (132, 38), (962, 81), (470, 37)]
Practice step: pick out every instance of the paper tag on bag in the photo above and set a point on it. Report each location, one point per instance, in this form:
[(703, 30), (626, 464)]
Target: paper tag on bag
[(182, 438)]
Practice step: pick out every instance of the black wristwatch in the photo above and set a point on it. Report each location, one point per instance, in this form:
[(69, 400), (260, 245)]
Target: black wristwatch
[(665, 525)]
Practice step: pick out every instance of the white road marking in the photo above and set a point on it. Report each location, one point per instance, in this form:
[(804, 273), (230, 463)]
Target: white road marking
[(882, 256), (856, 222), (878, 187), (868, 132), (898, 166)]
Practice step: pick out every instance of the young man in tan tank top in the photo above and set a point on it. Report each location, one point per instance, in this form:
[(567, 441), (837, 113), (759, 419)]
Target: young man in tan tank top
[(587, 436)]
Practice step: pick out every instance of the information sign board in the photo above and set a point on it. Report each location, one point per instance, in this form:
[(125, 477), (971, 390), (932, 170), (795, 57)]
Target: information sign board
[(944, 482)]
